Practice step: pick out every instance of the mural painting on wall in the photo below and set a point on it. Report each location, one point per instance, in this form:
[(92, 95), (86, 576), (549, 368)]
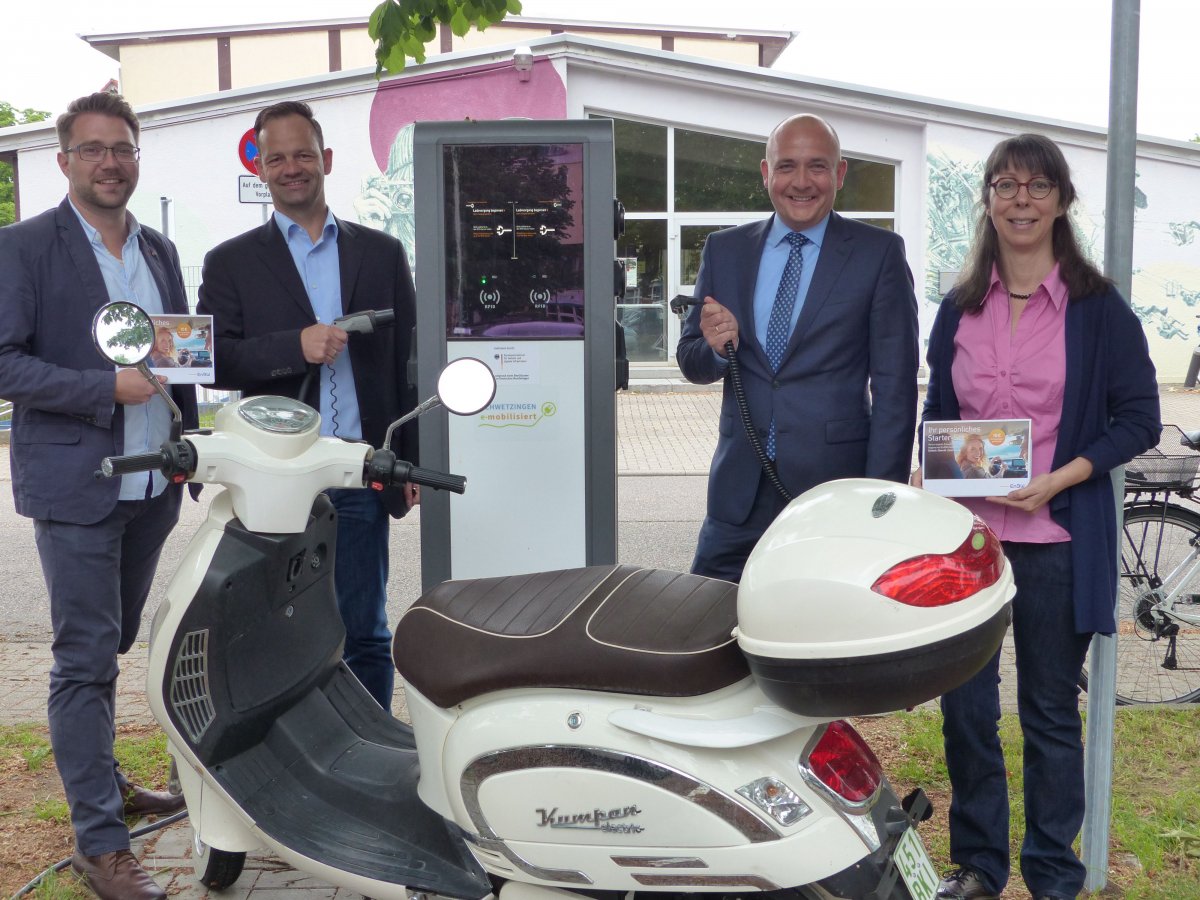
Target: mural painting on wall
[(1166, 275), (386, 200)]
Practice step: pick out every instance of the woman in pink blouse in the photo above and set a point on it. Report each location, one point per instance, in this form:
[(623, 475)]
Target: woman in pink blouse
[(1033, 330)]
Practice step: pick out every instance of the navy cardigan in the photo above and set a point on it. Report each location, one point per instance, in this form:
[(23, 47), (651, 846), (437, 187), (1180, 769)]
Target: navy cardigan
[(1110, 414)]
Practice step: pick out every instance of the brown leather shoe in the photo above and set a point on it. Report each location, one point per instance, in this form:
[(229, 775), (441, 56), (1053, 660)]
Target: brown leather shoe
[(116, 876), (142, 802)]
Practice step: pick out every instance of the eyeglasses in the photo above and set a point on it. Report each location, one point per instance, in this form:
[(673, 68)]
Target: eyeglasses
[(125, 153), (1038, 188)]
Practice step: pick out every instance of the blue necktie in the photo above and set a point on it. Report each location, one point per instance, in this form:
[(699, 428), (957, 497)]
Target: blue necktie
[(779, 326)]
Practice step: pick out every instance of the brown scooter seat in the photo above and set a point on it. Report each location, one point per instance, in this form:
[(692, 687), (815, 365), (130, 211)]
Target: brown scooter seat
[(602, 628)]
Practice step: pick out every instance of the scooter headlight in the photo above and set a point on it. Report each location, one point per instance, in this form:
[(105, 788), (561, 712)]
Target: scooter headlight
[(279, 415), (776, 799)]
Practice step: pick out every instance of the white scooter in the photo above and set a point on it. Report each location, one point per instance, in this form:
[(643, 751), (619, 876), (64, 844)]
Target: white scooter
[(601, 731)]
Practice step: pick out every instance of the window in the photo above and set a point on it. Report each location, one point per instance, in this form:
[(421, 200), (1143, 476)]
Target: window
[(869, 187), (718, 174), (641, 152)]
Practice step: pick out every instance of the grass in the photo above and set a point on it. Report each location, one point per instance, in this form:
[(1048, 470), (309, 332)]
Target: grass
[(1154, 839), (1154, 843), (143, 759), (61, 886), (27, 741)]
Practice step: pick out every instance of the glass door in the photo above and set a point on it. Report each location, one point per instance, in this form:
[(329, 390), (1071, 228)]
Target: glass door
[(687, 239)]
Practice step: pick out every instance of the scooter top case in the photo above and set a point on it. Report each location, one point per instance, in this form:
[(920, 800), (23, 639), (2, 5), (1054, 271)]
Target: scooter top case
[(867, 596)]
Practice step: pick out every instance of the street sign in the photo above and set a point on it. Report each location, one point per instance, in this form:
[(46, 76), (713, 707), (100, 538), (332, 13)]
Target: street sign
[(251, 190), (247, 151)]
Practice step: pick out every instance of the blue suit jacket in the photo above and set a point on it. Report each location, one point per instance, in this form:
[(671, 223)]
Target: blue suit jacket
[(64, 417), (845, 396)]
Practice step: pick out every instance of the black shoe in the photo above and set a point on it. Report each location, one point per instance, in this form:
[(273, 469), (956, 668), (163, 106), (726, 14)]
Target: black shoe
[(964, 884)]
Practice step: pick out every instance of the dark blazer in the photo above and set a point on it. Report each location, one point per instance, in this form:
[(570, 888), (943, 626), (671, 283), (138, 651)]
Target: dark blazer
[(259, 307), (845, 396), (64, 418), (1110, 414)]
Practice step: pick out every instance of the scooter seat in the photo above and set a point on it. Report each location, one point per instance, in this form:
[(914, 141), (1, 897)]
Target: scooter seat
[(602, 628)]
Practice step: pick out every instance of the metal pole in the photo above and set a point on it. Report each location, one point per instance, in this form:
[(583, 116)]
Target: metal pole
[(165, 205), (1118, 265)]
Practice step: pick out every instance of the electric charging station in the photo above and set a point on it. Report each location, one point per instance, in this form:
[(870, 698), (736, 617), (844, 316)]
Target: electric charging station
[(518, 222)]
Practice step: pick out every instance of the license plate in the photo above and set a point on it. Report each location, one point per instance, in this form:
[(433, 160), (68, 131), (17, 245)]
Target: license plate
[(915, 867)]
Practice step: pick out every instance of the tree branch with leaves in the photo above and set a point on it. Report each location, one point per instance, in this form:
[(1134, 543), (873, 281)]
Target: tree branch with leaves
[(402, 28), (11, 116)]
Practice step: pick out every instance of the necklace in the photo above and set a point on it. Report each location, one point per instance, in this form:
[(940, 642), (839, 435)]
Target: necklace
[(1019, 296)]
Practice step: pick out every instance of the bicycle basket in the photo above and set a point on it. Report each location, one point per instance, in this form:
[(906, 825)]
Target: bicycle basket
[(1159, 471)]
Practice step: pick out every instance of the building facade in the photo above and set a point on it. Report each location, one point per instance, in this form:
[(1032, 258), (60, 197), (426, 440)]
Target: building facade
[(689, 135)]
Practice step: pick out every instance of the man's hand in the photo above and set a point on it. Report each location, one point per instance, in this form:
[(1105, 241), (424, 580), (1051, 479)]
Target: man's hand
[(321, 344), (133, 388), (718, 326), (412, 494)]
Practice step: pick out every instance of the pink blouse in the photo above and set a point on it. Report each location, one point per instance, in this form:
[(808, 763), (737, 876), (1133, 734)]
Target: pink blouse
[(1001, 375)]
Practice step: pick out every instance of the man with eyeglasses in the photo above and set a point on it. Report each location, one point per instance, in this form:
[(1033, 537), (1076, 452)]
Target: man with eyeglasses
[(98, 540)]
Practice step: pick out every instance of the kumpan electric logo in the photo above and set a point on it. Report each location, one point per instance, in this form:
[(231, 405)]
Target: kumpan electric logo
[(516, 415), (611, 820)]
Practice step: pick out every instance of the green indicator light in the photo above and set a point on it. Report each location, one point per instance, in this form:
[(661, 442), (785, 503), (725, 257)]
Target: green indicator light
[(977, 541)]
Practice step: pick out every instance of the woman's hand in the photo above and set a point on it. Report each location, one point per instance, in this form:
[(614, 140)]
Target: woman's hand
[(915, 478), (1042, 488)]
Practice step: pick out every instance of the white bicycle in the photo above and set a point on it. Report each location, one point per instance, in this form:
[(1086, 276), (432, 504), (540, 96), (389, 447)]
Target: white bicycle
[(1158, 615)]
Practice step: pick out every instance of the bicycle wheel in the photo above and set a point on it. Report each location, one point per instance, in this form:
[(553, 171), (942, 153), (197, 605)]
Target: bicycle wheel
[(1158, 657)]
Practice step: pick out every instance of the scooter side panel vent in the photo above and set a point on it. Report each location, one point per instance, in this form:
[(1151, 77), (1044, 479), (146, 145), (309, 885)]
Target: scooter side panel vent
[(191, 698)]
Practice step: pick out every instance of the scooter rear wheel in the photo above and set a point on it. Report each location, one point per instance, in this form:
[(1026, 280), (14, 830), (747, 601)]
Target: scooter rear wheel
[(215, 869)]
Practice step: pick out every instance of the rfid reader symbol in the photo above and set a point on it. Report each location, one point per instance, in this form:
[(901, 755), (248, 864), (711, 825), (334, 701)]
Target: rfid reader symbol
[(490, 298), (539, 297)]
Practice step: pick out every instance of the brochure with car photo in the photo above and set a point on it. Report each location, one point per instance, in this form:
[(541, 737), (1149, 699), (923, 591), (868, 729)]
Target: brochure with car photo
[(979, 458), (183, 349)]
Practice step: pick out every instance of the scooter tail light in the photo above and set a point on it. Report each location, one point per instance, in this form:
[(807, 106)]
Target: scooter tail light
[(938, 579), (843, 763)]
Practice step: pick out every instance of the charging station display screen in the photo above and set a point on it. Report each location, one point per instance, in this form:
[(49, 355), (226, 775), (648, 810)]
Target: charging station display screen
[(514, 241)]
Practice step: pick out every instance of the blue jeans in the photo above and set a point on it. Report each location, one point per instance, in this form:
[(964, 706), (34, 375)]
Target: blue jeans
[(360, 578), (1049, 657)]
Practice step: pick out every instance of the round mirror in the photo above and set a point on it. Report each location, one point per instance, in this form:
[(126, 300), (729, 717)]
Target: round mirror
[(123, 333), (466, 386)]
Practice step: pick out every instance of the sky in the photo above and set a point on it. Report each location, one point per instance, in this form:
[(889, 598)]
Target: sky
[(1045, 58)]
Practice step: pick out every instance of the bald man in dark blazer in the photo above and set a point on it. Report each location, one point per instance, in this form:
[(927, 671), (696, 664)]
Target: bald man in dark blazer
[(840, 399)]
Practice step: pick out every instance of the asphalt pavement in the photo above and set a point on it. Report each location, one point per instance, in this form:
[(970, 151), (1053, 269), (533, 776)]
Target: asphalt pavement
[(666, 435)]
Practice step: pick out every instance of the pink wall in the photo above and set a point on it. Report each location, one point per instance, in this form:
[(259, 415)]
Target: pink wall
[(483, 92)]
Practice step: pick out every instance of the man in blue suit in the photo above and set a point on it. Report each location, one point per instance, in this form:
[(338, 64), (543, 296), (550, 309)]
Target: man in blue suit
[(821, 313), (98, 540)]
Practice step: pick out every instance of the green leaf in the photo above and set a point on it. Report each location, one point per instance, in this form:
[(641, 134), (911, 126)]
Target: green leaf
[(402, 28), (460, 24)]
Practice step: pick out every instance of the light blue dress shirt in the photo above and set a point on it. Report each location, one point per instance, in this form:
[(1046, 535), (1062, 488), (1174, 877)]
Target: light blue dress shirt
[(320, 269), (147, 425), (770, 271)]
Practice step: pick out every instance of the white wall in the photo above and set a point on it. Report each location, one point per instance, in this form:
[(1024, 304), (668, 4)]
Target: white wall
[(1166, 248)]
